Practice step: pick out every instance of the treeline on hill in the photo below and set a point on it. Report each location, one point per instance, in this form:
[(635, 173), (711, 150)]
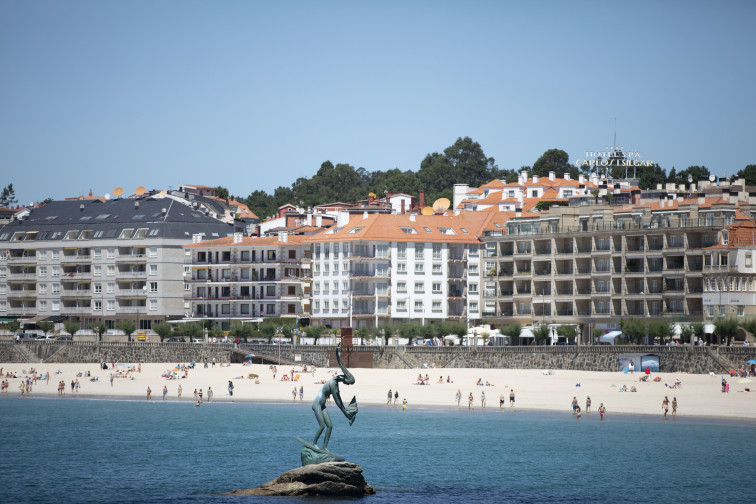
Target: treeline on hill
[(464, 162)]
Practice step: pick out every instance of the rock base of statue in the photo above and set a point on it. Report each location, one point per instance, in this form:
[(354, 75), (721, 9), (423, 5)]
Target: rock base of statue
[(327, 479), (311, 454)]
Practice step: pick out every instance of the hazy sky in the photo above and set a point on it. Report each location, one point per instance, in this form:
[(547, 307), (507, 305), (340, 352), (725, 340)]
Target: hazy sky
[(251, 95)]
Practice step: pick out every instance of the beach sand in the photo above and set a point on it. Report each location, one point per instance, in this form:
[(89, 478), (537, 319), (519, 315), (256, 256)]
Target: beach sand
[(700, 395)]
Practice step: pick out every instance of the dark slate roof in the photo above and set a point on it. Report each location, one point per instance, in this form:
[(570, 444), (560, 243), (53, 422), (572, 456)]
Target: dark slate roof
[(113, 216)]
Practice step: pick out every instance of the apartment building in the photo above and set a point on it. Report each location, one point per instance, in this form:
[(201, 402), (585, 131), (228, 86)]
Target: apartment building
[(595, 264), (380, 269), (92, 260), (237, 278)]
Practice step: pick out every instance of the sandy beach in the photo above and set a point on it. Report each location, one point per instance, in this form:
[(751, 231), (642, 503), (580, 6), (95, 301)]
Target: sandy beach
[(700, 395)]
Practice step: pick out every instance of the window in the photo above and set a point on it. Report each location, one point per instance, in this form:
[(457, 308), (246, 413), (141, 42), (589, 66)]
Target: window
[(56, 254), (187, 288), (317, 268), (436, 251), (344, 304), (345, 285), (153, 252), (317, 305), (725, 238), (418, 306), (721, 310), (382, 250), (56, 271), (42, 306), (111, 287), (472, 269), (401, 250), (401, 287), (436, 269), (748, 259), (326, 268), (326, 305), (408, 230), (401, 268), (98, 305), (55, 306), (153, 286), (97, 288), (270, 290), (97, 253), (419, 287), (741, 310), (401, 305), (419, 250), (153, 269), (270, 309), (111, 305), (473, 288), (473, 306), (42, 288), (436, 287), (244, 308), (42, 271), (711, 311), (154, 304), (56, 288), (111, 253), (97, 270), (111, 270), (436, 306), (42, 254), (419, 268), (345, 249)]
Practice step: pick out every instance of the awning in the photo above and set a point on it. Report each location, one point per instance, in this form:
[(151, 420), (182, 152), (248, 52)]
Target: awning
[(609, 337), (32, 320), (4, 320), (55, 318), (709, 328)]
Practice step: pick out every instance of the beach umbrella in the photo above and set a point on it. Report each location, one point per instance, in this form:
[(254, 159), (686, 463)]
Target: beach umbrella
[(249, 356), (752, 361)]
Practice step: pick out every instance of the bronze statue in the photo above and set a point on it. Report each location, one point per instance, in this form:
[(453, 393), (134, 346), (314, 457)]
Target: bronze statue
[(311, 454)]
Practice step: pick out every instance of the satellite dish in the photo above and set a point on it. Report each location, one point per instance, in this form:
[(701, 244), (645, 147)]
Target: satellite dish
[(107, 195), (427, 211), (140, 190), (118, 191), (712, 178), (441, 205)]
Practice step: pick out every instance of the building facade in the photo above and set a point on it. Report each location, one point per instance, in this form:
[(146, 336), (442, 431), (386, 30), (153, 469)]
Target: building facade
[(97, 260)]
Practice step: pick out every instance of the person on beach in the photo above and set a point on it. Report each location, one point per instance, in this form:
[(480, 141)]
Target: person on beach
[(275, 370), (179, 391), (213, 361), (396, 396), (483, 399), (501, 401), (165, 392), (511, 397), (674, 406), (200, 395), (602, 411), (197, 403), (631, 367), (577, 410), (294, 394), (404, 405), (210, 394), (230, 388), (574, 405), (459, 397), (301, 393), (149, 393), (665, 406), (139, 368), (195, 395), (588, 404), (111, 379), (389, 397), (470, 401)]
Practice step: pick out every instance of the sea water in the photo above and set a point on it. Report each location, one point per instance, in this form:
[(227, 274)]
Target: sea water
[(104, 451)]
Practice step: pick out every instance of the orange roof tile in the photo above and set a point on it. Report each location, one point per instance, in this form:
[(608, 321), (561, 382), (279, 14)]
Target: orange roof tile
[(249, 241)]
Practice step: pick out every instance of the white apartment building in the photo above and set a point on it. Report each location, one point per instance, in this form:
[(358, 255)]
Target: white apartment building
[(386, 269), (240, 278)]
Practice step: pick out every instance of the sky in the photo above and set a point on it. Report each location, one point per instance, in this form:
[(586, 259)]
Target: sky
[(253, 95)]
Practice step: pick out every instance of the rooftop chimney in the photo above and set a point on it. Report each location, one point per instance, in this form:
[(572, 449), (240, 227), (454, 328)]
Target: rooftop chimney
[(566, 176), (319, 220), (523, 176), (422, 198), (81, 207), (581, 179), (237, 237), (552, 176), (535, 179), (412, 217), (309, 219), (364, 215), (283, 236)]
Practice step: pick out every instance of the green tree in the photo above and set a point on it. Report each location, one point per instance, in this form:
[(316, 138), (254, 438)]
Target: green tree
[(45, 326), (363, 333), (314, 332), (555, 160), (512, 331), (241, 331), (541, 333), (749, 174), (725, 329), (163, 330), (385, 333), (408, 330), (221, 192), (99, 329), (8, 196), (660, 329), (192, 330), (698, 331), (71, 327), (633, 329), (12, 326), (128, 327), (568, 332), (650, 176), (268, 330)]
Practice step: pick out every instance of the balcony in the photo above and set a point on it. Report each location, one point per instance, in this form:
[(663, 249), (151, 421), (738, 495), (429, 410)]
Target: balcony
[(131, 293), (22, 276), (75, 259), (75, 293), (76, 309), (132, 274), (22, 294), (30, 259), (720, 268), (131, 258)]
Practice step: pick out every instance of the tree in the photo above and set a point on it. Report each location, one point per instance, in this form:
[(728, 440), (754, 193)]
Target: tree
[(567, 332), (409, 331), (749, 174), (163, 330), (221, 192), (128, 327), (268, 330), (512, 331), (13, 326), (385, 333), (8, 196), (698, 330), (192, 330), (725, 329), (660, 329), (363, 333), (314, 332), (541, 333), (45, 326), (99, 328), (633, 329), (555, 160), (650, 176), (241, 331), (71, 327)]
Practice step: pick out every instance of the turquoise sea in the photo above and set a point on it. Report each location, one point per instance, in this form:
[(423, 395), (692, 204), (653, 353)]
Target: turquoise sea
[(105, 451)]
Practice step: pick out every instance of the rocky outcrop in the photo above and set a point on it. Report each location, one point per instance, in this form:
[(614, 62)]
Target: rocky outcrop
[(327, 479)]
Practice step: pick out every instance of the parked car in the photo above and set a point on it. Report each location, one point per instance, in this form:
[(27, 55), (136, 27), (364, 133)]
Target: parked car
[(64, 338), (177, 340), (42, 337), (197, 340)]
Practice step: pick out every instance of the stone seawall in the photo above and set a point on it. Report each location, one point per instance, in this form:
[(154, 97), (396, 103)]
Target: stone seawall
[(674, 359)]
